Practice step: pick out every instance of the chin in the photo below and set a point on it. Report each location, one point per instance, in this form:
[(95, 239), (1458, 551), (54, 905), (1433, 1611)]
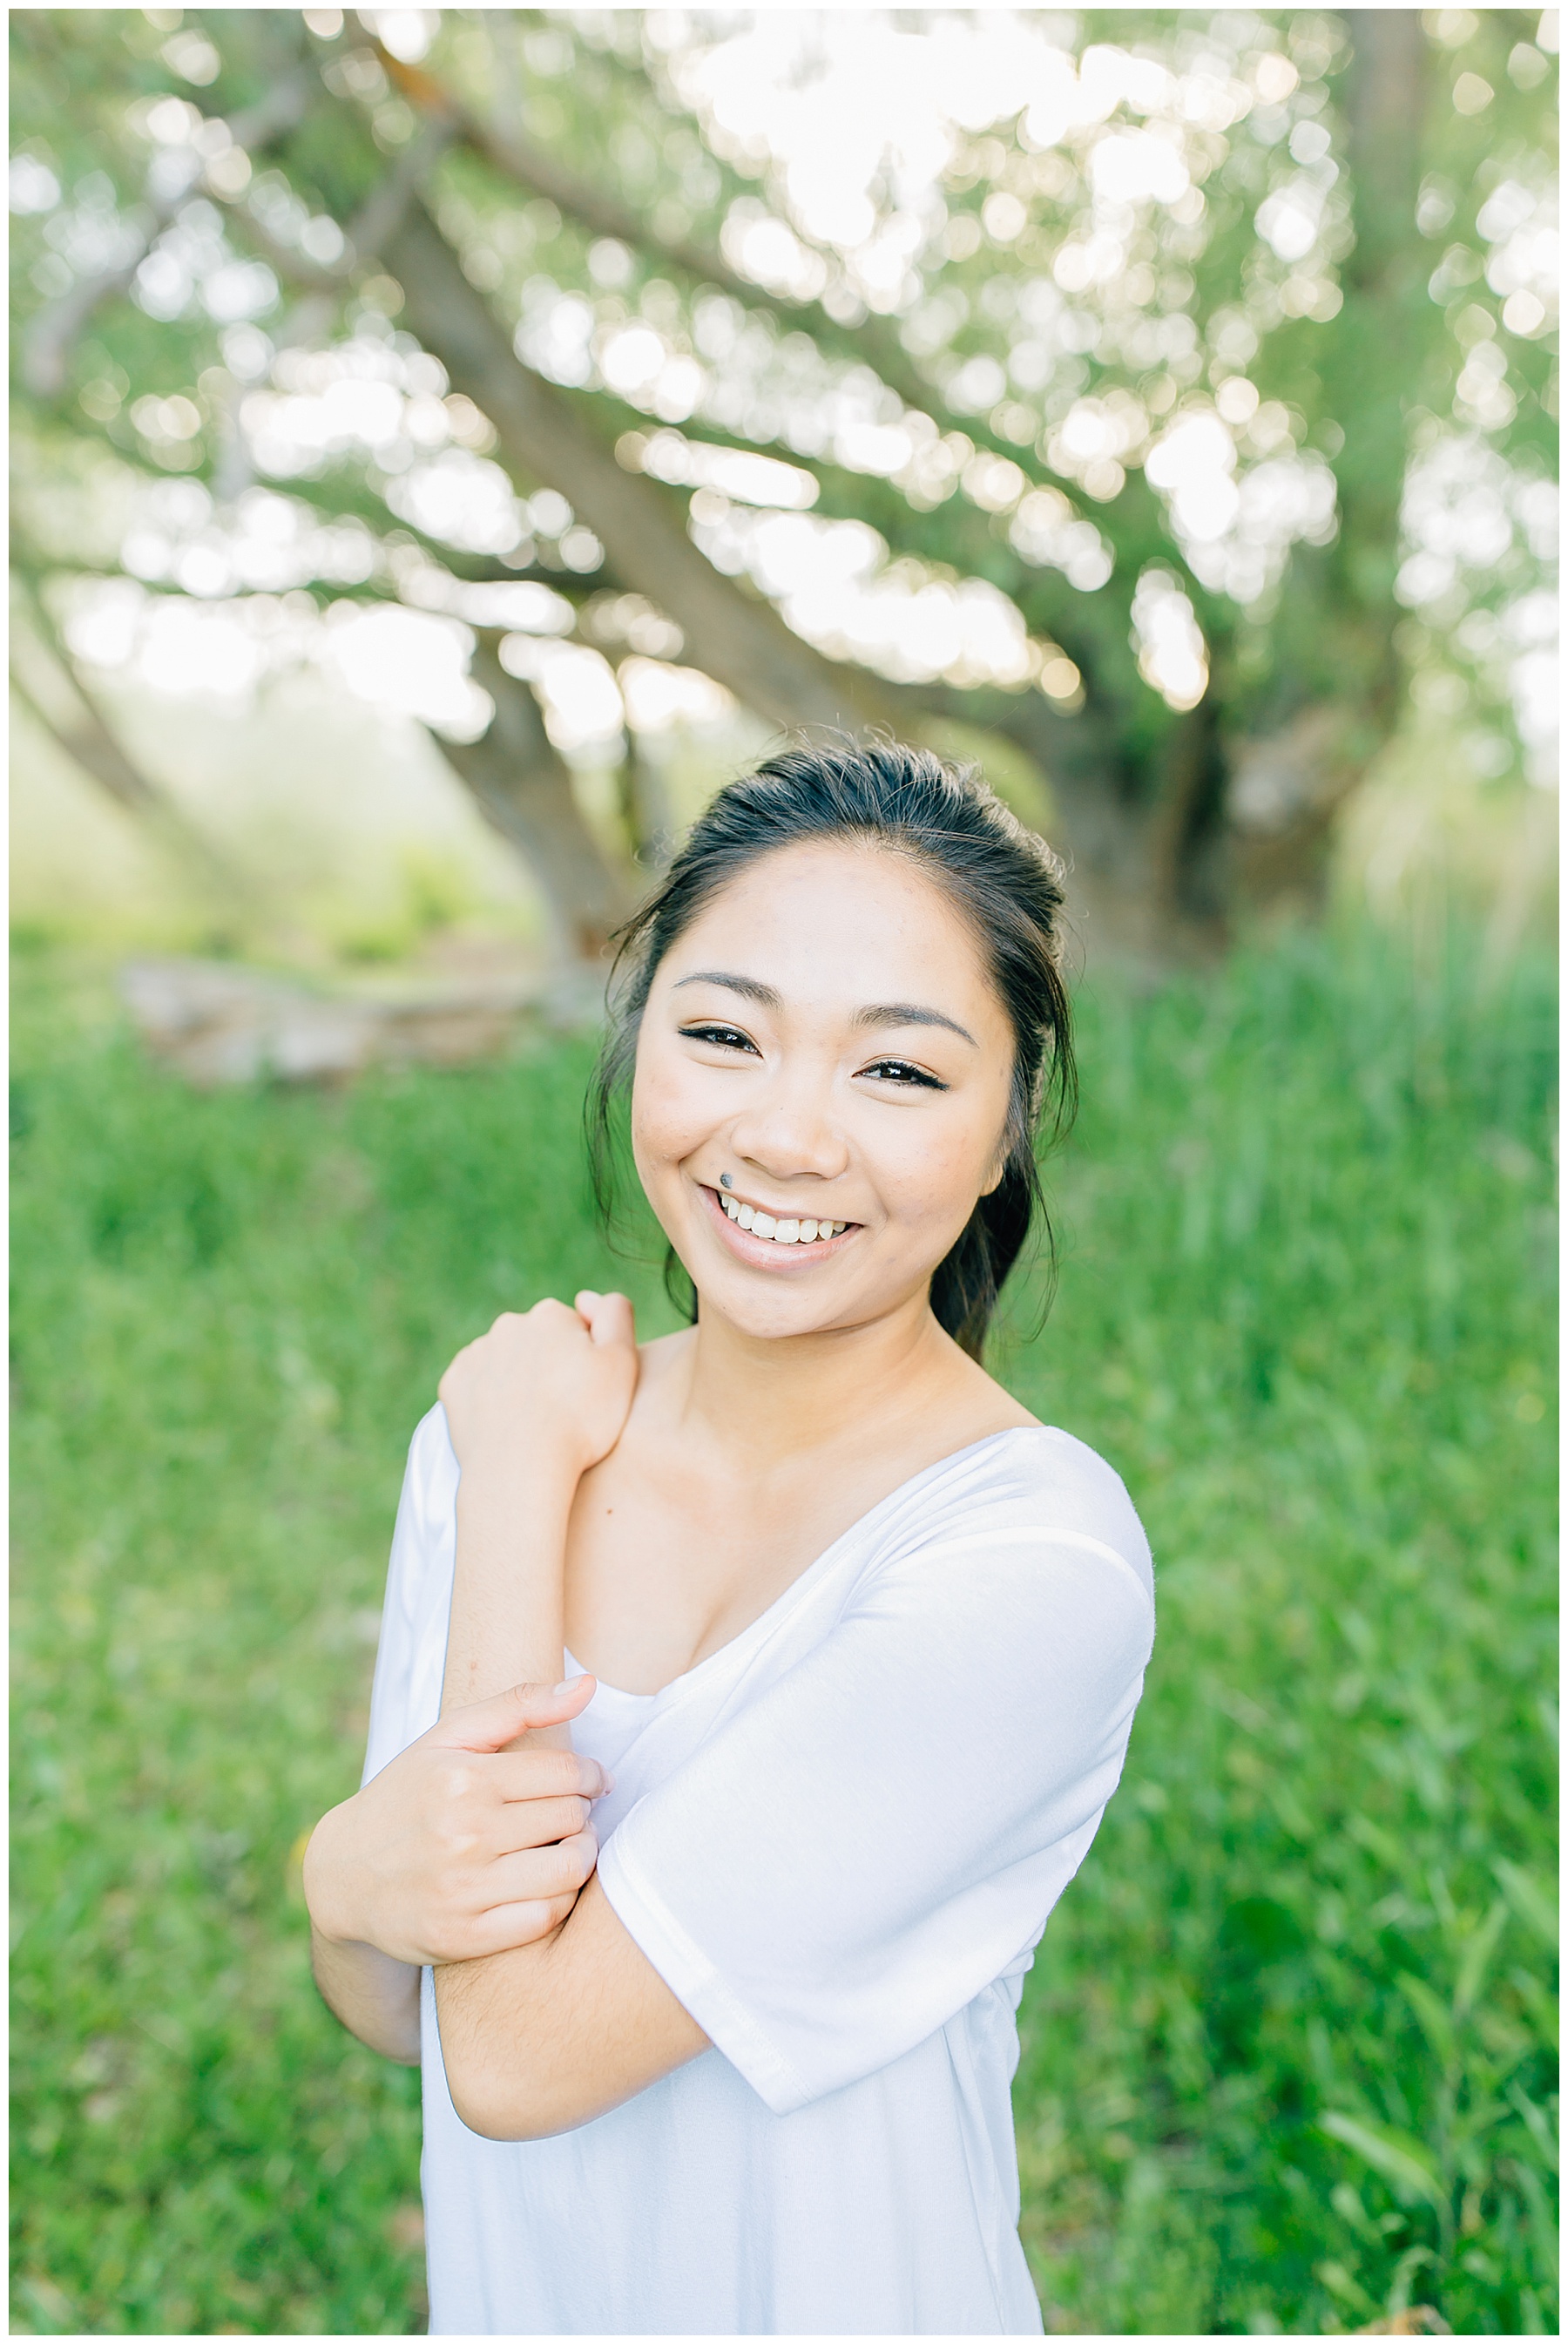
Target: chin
[(764, 1312), (774, 1322)]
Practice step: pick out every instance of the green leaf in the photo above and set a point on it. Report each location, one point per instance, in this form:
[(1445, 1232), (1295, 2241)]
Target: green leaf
[(1478, 1956), (1404, 2162), (1436, 2020), (1532, 1902), (1538, 2124), (1345, 2285)]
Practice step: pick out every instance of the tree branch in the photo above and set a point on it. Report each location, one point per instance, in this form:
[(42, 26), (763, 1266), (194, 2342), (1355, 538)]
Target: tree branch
[(522, 786), (873, 342), (372, 224), (90, 743), (740, 640), (53, 331)]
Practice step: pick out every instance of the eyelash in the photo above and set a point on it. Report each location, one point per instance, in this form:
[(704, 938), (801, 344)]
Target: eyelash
[(898, 1070), (723, 1037)]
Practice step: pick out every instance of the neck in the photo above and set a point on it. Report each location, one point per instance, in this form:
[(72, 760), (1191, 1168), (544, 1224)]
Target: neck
[(777, 1396)]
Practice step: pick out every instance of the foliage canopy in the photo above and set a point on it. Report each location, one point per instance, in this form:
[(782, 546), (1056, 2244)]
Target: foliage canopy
[(1158, 390)]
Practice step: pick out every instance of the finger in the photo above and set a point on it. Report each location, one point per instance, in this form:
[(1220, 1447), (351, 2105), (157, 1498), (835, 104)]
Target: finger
[(535, 1874), (529, 1774), (550, 1308), (491, 1724), (506, 1926), (611, 1319), (538, 1822)]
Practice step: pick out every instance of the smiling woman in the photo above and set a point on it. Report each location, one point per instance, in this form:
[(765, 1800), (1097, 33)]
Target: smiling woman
[(998, 901), (865, 1638)]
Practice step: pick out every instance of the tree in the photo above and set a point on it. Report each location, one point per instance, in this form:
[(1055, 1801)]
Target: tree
[(1128, 390)]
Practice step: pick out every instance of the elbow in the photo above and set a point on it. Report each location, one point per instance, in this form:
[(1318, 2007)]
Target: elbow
[(486, 2102), (498, 2106), (507, 2070)]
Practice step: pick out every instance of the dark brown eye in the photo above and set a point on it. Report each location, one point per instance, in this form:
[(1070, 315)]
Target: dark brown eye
[(723, 1037), (899, 1070)]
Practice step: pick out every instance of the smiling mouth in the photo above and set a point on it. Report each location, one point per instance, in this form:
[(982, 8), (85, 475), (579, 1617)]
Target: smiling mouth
[(800, 1231)]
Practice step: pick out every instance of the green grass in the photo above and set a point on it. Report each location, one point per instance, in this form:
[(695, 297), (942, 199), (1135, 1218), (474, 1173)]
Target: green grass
[(1287, 2044)]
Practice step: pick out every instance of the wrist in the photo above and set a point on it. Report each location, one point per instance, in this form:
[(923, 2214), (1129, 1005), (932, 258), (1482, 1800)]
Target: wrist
[(520, 1502), (322, 1878)]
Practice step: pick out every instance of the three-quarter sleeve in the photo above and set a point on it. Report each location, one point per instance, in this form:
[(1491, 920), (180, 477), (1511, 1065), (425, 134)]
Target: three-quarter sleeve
[(846, 1861), (410, 1652)]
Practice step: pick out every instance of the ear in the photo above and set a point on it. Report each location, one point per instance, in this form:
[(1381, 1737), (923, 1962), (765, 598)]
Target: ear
[(1000, 1160)]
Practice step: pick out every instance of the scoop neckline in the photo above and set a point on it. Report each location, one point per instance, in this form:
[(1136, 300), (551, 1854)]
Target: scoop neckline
[(798, 1585)]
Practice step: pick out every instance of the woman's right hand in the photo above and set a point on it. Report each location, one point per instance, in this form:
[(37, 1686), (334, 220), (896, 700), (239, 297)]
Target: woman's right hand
[(461, 1847), (547, 1388)]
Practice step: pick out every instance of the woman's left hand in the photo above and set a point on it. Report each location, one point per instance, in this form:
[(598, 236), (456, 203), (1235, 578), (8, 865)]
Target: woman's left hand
[(550, 1381), (464, 1845)]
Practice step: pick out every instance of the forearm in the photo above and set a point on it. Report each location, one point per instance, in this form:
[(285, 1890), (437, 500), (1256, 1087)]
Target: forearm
[(548, 2036), (377, 1998), (506, 1624), (493, 2048)]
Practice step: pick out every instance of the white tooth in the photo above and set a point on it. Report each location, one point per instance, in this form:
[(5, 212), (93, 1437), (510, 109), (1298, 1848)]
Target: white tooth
[(836, 1229), (730, 1206), (787, 1233), (763, 1224), (808, 1232), (745, 1216)]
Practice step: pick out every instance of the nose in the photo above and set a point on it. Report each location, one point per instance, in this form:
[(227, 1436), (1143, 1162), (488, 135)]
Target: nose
[(789, 1131)]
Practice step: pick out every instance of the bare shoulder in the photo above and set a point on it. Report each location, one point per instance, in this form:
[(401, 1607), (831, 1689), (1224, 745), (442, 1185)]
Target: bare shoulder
[(664, 1355), (663, 1368), (982, 1402)]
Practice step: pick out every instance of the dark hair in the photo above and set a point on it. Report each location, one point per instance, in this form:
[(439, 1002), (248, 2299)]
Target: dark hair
[(1004, 881)]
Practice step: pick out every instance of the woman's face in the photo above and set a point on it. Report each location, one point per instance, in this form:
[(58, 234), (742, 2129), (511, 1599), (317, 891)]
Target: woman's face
[(822, 1048)]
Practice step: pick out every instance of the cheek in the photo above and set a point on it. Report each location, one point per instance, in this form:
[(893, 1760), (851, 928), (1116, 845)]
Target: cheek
[(667, 1118), (935, 1177)]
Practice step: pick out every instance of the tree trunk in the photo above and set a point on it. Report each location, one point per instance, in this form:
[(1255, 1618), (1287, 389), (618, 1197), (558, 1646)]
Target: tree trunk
[(1286, 788), (645, 807), (1122, 867), (524, 789), (1146, 854), (67, 712), (1388, 329), (736, 636), (1122, 843)]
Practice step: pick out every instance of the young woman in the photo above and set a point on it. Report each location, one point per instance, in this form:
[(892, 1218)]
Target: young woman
[(863, 1639)]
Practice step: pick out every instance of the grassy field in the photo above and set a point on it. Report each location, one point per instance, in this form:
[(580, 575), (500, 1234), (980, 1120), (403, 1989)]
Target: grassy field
[(1288, 2044)]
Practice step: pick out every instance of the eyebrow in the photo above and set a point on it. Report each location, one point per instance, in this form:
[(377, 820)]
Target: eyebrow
[(750, 988), (912, 1013), (877, 1013)]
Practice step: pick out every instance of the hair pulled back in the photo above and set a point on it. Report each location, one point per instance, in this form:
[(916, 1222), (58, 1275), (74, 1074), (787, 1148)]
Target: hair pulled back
[(1003, 881)]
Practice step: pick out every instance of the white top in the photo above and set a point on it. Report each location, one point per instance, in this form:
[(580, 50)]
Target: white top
[(837, 1840)]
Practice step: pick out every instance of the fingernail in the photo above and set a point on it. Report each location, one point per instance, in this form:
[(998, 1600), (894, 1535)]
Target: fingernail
[(608, 1782), (570, 1685)]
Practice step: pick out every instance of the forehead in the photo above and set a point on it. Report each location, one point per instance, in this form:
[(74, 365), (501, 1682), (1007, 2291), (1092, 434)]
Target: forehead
[(843, 919)]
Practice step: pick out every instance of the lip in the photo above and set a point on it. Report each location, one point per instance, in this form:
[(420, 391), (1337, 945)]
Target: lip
[(762, 1253)]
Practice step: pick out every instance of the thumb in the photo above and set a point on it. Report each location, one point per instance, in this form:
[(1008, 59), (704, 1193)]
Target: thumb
[(492, 1724), (610, 1318)]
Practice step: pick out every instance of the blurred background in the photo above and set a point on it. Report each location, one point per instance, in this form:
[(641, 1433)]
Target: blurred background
[(445, 445)]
